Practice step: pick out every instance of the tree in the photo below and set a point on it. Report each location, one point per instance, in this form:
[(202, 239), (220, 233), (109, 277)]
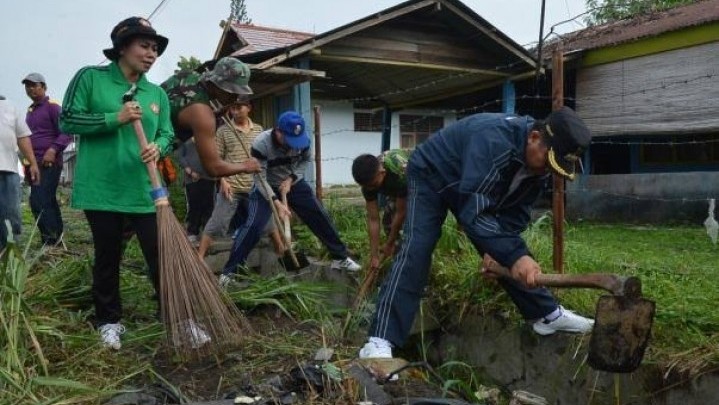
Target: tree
[(604, 11), (238, 12), (190, 63)]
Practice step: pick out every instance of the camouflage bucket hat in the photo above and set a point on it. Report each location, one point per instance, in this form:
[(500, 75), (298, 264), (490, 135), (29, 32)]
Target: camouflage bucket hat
[(230, 75)]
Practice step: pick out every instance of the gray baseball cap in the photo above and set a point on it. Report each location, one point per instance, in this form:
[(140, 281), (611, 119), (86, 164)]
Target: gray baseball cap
[(35, 78)]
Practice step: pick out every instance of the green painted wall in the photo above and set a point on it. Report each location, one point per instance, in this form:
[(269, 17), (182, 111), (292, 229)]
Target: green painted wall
[(660, 43)]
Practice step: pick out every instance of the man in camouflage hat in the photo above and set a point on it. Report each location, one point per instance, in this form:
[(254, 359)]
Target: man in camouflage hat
[(190, 95)]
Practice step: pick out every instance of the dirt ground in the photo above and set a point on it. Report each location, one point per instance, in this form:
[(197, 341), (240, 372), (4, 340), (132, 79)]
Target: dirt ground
[(269, 367)]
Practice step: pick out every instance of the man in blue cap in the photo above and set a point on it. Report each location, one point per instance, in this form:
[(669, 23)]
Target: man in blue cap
[(283, 153)]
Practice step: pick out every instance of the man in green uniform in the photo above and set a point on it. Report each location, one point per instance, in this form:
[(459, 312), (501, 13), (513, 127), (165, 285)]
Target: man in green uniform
[(389, 180), (191, 96)]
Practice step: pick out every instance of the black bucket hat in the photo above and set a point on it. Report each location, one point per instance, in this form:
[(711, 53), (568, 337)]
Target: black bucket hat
[(128, 29)]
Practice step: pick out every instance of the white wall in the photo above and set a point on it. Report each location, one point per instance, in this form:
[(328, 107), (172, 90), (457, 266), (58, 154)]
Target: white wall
[(341, 144)]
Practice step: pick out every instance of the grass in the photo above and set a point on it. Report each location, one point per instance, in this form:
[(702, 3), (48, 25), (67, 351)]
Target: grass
[(676, 264), (50, 353)]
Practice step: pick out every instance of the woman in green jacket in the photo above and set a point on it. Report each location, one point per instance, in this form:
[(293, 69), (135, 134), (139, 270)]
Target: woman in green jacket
[(111, 183)]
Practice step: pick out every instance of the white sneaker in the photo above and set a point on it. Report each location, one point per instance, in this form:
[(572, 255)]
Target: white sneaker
[(198, 335), (376, 348), (193, 238), (110, 334), (195, 335), (346, 264), (567, 321)]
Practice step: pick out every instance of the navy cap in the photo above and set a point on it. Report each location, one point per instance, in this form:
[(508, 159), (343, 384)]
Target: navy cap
[(568, 138), (292, 126)]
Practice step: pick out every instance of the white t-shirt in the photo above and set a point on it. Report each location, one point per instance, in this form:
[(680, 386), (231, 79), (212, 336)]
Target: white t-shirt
[(12, 127)]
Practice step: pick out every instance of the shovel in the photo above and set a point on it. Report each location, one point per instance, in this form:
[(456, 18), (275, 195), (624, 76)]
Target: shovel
[(622, 321)]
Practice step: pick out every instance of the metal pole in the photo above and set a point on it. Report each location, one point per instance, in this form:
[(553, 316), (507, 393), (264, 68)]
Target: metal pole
[(558, 181), (318, 154), (539, 48)]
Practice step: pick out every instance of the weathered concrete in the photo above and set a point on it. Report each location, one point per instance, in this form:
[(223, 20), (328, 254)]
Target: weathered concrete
[(511, 355), (643, 198), (554, 367), (343, 285), (262, 257)]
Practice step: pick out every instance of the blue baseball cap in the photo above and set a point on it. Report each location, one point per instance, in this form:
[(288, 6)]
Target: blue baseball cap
[(292, 126)]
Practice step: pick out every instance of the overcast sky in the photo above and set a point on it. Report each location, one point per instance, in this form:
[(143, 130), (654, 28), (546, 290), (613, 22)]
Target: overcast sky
[(57, 37)]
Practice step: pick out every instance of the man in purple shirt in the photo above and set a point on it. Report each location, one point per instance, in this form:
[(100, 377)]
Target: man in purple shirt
[(48, 144)]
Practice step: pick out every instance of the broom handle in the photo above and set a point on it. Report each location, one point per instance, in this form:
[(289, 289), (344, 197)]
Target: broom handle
[(159, 194)]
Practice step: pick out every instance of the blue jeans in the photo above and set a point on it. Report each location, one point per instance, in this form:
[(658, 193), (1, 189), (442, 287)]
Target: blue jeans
[(44, 205), (9, 206), (403, 288), (303, 202)]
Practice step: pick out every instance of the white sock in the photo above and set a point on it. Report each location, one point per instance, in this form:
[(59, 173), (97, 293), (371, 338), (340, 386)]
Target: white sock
[(552, 316)]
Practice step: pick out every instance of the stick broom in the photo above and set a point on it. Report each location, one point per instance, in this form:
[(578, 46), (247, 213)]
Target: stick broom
[(193, 307)]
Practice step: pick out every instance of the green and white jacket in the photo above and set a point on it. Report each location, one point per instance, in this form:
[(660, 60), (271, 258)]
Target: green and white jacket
[(109, 175)]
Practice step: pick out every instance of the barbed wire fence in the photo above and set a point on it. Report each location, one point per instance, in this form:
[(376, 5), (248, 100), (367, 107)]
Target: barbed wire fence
[(495, 105)]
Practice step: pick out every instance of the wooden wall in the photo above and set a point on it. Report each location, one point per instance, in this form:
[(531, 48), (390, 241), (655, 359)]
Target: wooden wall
[(673, 92)]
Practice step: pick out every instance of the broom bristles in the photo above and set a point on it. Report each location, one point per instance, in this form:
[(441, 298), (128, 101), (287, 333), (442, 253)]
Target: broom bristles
[(189, 292)]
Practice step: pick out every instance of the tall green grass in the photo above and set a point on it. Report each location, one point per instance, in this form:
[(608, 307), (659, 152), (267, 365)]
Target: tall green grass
[(24, 375), (296, 299)]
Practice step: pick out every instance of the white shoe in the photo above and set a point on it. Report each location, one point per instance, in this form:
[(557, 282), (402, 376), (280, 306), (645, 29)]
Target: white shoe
[(346, 264), (567, 321), (198, 335), (376, 348), (193, 238), (110, 334), (195, 335)]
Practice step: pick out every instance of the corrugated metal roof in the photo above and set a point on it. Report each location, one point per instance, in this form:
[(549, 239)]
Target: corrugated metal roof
[(260, 39), (642, 26)]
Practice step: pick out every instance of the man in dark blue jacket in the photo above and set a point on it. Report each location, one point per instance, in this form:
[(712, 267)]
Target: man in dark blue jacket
[(488, 170)]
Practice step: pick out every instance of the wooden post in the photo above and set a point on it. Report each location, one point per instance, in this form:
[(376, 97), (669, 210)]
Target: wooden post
[(558, 181), (318, 154)]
